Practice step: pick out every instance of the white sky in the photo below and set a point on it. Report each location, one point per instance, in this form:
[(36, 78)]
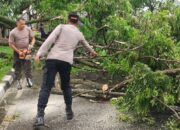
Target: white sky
[(177, 2)]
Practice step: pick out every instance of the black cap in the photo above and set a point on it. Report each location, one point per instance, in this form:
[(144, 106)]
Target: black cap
[(73, 17)]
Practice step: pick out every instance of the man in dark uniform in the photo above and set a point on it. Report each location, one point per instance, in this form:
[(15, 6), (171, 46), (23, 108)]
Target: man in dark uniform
[(59, 60)]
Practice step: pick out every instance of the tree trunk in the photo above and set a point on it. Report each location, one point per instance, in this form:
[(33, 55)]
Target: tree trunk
[(93, 93), (6, 21)]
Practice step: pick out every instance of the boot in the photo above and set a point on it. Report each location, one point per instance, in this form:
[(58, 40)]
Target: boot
[(19, 86), (69, 113), (39, 120), (29, 82)]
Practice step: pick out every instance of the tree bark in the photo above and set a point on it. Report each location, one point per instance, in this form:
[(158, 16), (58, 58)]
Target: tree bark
[(96, 93), (87, 84), (6, 21), (120, 85), (91, 64), (171, 71)]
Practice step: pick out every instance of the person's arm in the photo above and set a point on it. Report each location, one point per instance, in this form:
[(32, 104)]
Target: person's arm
[(87, 46), (12, 42), (14, 48), (33, 40), (43, 50)]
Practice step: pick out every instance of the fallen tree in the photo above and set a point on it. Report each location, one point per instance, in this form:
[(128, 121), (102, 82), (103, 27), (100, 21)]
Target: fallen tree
[(9, 23), (90, 89), (6, 21), (93, 94)]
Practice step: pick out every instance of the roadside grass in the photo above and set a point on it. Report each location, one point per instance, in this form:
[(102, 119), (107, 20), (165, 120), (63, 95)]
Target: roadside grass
[(5, 62)]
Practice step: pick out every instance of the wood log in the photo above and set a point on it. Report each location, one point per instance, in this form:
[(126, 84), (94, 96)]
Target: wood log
[(169, 107), (91, 64), (159, 59), (93, 92), (176, 108), (38, 20), (4, 25), (8, 23), (125, 82), (120, 85), (80, 83), (86, 95), (171, 71)]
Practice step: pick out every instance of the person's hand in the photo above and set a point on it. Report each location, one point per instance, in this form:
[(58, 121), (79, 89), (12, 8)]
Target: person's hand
[(20, 53), (93, 54), (37, 59), (30, 47)]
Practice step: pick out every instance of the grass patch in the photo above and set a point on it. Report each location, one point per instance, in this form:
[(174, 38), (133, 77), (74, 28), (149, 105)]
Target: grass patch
[(4, 70), (6, 49), (5, 63)]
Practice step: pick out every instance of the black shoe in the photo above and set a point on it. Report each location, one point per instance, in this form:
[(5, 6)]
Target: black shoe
[(39, 120), (19, 86), (69, 113), (29, 82)]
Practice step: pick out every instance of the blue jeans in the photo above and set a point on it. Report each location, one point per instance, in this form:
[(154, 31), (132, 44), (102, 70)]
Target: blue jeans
[(50, 71)]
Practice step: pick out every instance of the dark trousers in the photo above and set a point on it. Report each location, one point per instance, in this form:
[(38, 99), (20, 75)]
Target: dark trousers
[(50, 71), (20, 65)]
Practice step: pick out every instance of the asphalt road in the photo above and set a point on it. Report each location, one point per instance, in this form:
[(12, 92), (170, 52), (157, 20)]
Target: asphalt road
[(18, 110)]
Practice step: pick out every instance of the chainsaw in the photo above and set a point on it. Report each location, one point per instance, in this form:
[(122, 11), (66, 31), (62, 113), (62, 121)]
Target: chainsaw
[(27, 54)]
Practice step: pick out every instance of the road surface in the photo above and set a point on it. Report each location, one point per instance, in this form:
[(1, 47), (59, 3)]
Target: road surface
[(18, 110)]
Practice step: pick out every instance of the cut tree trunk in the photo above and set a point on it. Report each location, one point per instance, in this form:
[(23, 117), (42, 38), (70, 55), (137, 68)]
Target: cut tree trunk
[(87, 89), (81, 84), (94, 93)]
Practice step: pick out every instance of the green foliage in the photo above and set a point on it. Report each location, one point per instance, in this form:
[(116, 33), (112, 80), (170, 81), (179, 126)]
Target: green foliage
[(175, 20), (120, 29), (106, 8), (152, 5), (142, 92), (173, 124), (88, 30), (115, 65), (118, 68), (14, 7), (154, 32), (125, 118), (5, 62)]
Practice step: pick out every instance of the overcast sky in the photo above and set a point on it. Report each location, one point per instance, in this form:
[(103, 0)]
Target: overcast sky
[(177, 1)]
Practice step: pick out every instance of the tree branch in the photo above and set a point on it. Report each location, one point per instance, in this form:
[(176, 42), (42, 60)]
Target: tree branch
[(91, 64), (121, 85), (171, 71), (159, 59), (176, 114)]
